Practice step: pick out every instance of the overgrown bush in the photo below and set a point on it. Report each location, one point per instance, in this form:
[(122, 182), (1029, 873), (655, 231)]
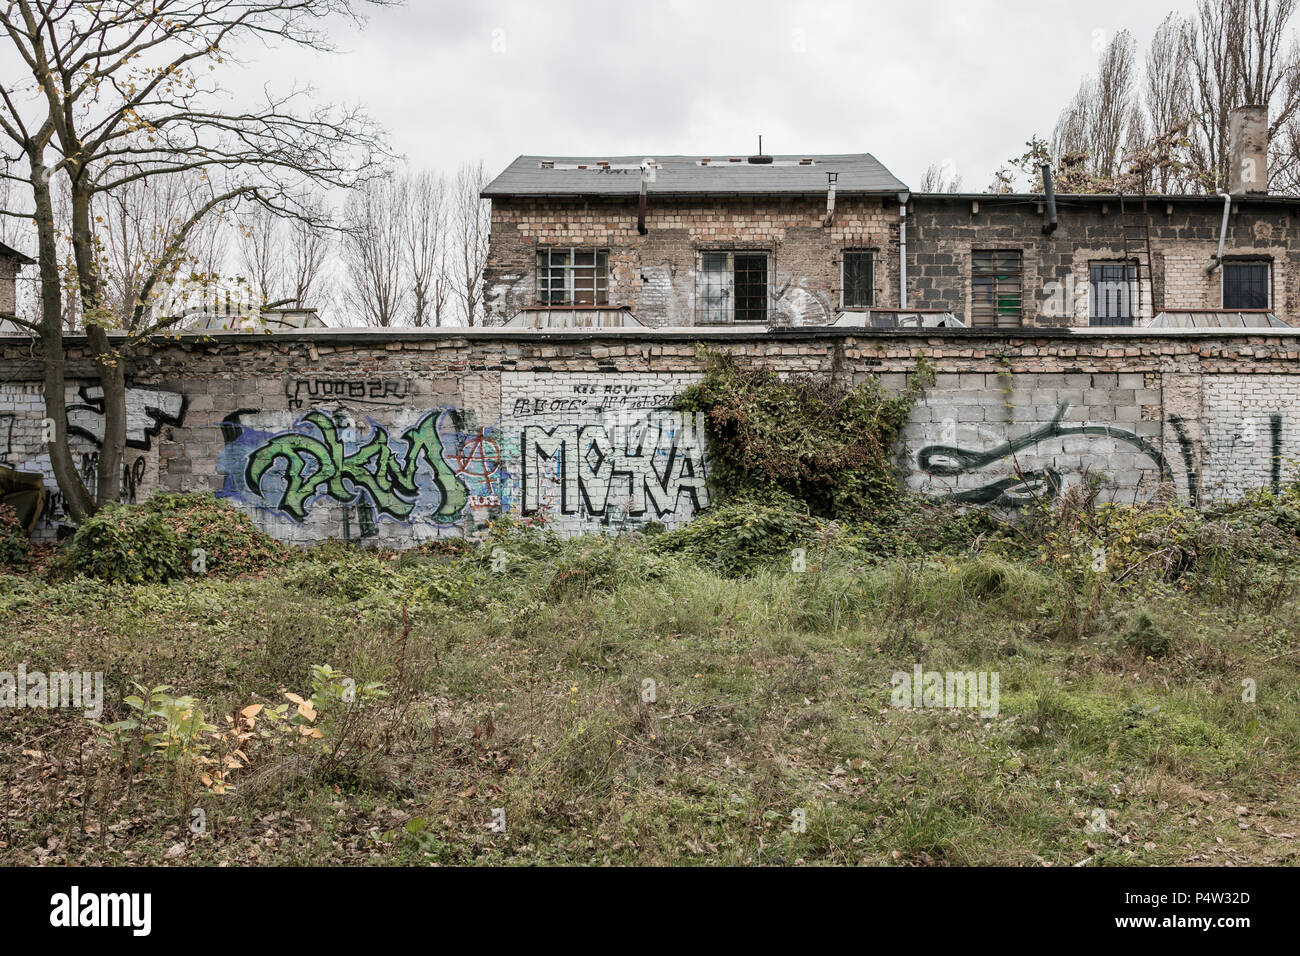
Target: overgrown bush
[(828, 446), (230, 542), (918, 525), (124, 543), (743, 534), (14, 545)]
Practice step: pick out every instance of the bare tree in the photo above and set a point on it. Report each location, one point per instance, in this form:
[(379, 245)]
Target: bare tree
[(309, 249), (118, 92), (473, 221), (1241, 52), (1099, 121), (261, 245), (1168, 90), (941, 178), (136, 224), (425, 246), (374, 248)]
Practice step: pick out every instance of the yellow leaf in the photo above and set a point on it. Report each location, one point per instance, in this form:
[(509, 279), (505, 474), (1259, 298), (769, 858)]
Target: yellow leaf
[(293, 697), (307, 710), (252, 710)]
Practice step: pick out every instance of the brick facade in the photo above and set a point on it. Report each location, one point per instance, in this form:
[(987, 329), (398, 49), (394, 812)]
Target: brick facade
[(1184, 236), (656, 275)]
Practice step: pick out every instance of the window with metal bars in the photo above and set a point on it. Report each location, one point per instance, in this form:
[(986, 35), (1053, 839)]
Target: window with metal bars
[(996, 287), (857, 279), (572, 276), (1112, 293), (1246, 285), (731, 287)]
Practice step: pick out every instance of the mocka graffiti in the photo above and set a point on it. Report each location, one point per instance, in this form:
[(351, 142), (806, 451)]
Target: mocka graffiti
[(655, 461)]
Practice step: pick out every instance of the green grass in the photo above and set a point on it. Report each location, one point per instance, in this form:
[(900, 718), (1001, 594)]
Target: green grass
[(525, 690)]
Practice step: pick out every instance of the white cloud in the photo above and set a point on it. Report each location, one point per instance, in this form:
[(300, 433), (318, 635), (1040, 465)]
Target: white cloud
[(915, 84)]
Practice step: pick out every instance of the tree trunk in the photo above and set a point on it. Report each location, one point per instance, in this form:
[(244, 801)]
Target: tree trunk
[(109, 364), (76, 499), (112, 378)]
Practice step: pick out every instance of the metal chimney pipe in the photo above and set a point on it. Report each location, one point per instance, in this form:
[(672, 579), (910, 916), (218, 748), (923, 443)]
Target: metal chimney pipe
[(1049, 194)]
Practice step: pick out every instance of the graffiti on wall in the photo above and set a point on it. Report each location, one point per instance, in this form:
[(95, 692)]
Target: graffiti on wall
[(429, 473), (325, 465), (1025, 485), (318, 389), (147, 411), (599, 451), (22, 438), (652, 462)]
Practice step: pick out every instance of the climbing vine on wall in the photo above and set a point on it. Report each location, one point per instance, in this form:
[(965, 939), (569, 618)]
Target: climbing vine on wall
[(830, 446)]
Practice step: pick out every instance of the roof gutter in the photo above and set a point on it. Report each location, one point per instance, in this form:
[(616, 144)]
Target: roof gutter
[(902, 249)]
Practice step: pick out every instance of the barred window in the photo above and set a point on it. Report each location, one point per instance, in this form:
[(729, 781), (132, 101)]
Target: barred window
[(996, 285), (731, 287), (572, 276), (857, 280), (1246, 285), (1112, 289)]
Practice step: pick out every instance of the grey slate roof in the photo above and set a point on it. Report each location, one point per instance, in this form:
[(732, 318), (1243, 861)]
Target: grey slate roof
[(11, 253), (684, 176)]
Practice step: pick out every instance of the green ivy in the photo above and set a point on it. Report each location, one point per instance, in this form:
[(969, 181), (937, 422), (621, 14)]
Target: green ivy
[(13, 540), (828, 446), (126, 544)]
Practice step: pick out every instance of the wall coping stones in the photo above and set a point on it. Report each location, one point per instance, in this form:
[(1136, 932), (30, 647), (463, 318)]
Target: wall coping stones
[(462, 336)]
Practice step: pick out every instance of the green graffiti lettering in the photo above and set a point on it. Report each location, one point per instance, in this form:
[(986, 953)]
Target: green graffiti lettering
[(314, 466)]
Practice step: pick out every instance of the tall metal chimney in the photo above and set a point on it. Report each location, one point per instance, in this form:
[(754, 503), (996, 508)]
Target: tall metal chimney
[(1248, 151)]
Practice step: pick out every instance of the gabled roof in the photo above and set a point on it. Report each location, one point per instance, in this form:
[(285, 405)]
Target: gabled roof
[(11, 253), (716, 175)]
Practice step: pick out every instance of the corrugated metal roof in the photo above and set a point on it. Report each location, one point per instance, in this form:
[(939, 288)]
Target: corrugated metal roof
[(688, 175), (1215, 319)]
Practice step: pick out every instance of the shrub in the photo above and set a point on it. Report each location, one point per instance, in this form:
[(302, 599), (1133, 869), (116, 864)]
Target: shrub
[(743, 534), (121, 543), (917, 526), (828, 446), (1144, 635), (13, 540), (230, 542)]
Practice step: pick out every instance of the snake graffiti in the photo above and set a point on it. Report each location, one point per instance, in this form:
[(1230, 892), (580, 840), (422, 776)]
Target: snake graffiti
[(1021, 487)]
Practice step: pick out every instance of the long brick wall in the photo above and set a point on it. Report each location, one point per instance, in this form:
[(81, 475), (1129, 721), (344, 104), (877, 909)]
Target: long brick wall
[(403, 436)]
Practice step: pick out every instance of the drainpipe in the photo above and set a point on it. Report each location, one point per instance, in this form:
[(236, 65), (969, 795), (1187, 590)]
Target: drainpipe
[(902, 249), (647, 177), (1223, 233), (830, 198), (1049, 195)]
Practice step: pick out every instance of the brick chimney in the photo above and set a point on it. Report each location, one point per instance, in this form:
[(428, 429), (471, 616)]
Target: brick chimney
[(11, 261), (1248, 151)]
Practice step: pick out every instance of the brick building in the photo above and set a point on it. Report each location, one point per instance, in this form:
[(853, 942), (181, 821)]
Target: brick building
[(817, 240), (11, 263)]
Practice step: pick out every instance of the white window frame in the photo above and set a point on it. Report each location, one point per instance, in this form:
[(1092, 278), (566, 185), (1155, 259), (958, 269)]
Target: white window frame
[(600, 280)]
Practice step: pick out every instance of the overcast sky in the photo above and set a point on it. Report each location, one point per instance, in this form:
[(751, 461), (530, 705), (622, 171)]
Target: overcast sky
[(967, 81)]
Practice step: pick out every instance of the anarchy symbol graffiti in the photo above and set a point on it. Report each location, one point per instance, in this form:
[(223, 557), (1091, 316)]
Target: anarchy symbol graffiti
[(479, 458)]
